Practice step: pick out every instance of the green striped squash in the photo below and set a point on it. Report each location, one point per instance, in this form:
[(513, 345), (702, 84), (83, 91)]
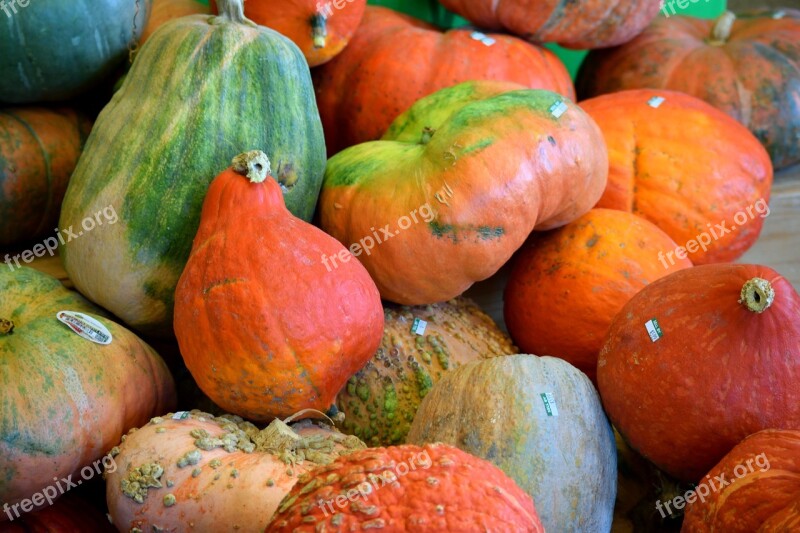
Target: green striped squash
[(202, 90)]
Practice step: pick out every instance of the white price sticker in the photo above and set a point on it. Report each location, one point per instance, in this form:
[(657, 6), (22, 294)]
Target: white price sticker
[(653, 329), (549, 402), (656, 101), (419, 326), (85, 326)]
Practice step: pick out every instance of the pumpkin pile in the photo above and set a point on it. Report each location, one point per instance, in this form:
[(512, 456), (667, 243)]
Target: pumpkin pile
[(288, 200)]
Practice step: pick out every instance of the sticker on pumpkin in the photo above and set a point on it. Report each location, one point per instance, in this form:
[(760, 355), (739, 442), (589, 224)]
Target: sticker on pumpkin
[(482, 37), (85, 326), (653, 329), (419, 326), (558, 109), (656, 101), (181, 415), (549, 402)]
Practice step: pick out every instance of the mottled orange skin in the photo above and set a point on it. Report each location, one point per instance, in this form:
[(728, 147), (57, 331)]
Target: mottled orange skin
[(294, 19), (67, 515), (241, 494), (456, 492), (39, 148), (575, 24), (263, 326), (567, 285), (764, 500), (165, 10), (394, 60), (683, 166), (719, 372), (753, 75)]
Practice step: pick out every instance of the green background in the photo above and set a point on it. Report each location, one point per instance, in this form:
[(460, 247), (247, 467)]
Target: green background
[(431, 11)]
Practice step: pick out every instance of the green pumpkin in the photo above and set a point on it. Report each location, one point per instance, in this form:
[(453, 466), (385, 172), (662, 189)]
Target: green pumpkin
[(540, 420), (54, 49), (201, 90)]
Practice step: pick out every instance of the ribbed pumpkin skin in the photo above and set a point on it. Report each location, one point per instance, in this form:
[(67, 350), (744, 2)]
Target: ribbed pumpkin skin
[(753, 76), (763, 494), (493, 409), (299, 19), (439, 488), (39, 149), (567, 285), (197, 95), (165, 10), (68, 514), (659, 170), (380, 401), (577, 24), (720, 372), (55, 50), (240, 493), (408, 59), (263, 327), (498, 165), (65, 401)]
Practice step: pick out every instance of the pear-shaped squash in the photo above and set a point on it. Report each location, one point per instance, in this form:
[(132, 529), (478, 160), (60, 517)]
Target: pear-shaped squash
[(202, 89)]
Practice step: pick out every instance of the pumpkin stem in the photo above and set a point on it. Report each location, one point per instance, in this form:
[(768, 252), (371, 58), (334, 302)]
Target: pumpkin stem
[(722, 29), (253, 164), (319, 30), (757, 295), (427, 134), (6, 327), (231, 11)]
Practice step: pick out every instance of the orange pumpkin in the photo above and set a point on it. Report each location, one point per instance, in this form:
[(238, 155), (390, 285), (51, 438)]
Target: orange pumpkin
[(431, 488), (320, 28), (394, 60), (687, 167), (165, 10), (39, 149), (567, 285), (264, 329), (745, 64), (195, 470), (755, 487)]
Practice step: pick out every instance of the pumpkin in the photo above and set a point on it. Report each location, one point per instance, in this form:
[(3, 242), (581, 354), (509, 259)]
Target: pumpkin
[(321, 29), (66, 399), (532, 417), (745, 65), (207, 473), (39, 149), (755, 487), (419, 345), (457, 184), (698, 360), (164, 11), (409, 59), (578, 24), (428, 488), (586, 271), (67, 515), (263, 328), (163, 138), (55, 50), (710, 197)]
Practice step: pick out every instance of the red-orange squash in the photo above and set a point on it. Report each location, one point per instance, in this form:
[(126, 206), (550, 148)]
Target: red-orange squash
[(68, 514), (574, 24), (747, 65), (458, 183), (700, 359), (427, 489), (567, 284), (263, 327), (192, 470), (320, 28), (165, 10), (394, 60), (756, 487), (687, 167), (39, 149)]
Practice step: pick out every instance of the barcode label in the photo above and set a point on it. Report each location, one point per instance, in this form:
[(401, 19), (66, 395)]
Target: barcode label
[(85, 326), (656, 101), (549, 402), (558, 109), (419, 326), (653, 329)]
